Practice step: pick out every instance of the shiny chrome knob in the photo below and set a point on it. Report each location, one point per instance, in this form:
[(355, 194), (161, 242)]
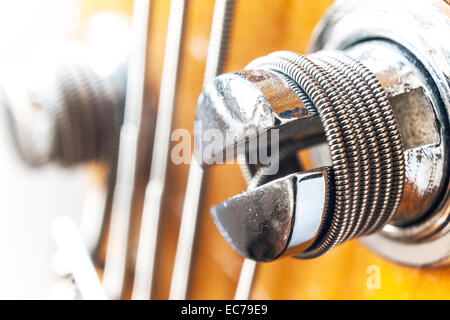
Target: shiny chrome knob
[(354, 116), (279, 218), (385, 126)]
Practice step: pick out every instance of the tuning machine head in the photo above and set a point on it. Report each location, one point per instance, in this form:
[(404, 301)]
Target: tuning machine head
[(67, 106), (361, 96), (245, 104), (281, 217)]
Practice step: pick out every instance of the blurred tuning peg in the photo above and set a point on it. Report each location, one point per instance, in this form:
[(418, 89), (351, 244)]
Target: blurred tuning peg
[(67, 107)]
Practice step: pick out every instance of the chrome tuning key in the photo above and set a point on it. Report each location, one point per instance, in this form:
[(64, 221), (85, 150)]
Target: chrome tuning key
[(378, 100), (274, 94), (69, 109), (278, 218)]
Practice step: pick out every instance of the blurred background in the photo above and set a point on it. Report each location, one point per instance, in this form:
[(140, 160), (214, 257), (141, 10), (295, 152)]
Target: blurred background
[(36, 31)]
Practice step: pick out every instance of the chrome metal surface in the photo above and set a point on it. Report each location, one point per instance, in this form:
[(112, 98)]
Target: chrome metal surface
[(256, 179), (282, 217), (355, 117), (388, 135), (116, 256), (217, 51), (148, 234), (413, 101), (412, 61), (244, 104)]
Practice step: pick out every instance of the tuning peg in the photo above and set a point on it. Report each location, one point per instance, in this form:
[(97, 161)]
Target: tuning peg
[(282, 217), (67, 107), (240, 106), (75, 118), (327, 96)]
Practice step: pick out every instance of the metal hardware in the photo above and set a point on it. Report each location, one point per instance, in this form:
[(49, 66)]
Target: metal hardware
[(366, 107), (365, 162), (412, 61), (278, 218), (68, 113)]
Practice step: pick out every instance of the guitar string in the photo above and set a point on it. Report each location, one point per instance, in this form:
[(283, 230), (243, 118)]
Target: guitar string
[(117, 253), (217, 51), (149, 229)]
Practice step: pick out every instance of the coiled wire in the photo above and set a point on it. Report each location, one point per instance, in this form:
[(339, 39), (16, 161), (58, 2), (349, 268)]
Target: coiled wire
[(362, 135), (82, 110), (89, 116)]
